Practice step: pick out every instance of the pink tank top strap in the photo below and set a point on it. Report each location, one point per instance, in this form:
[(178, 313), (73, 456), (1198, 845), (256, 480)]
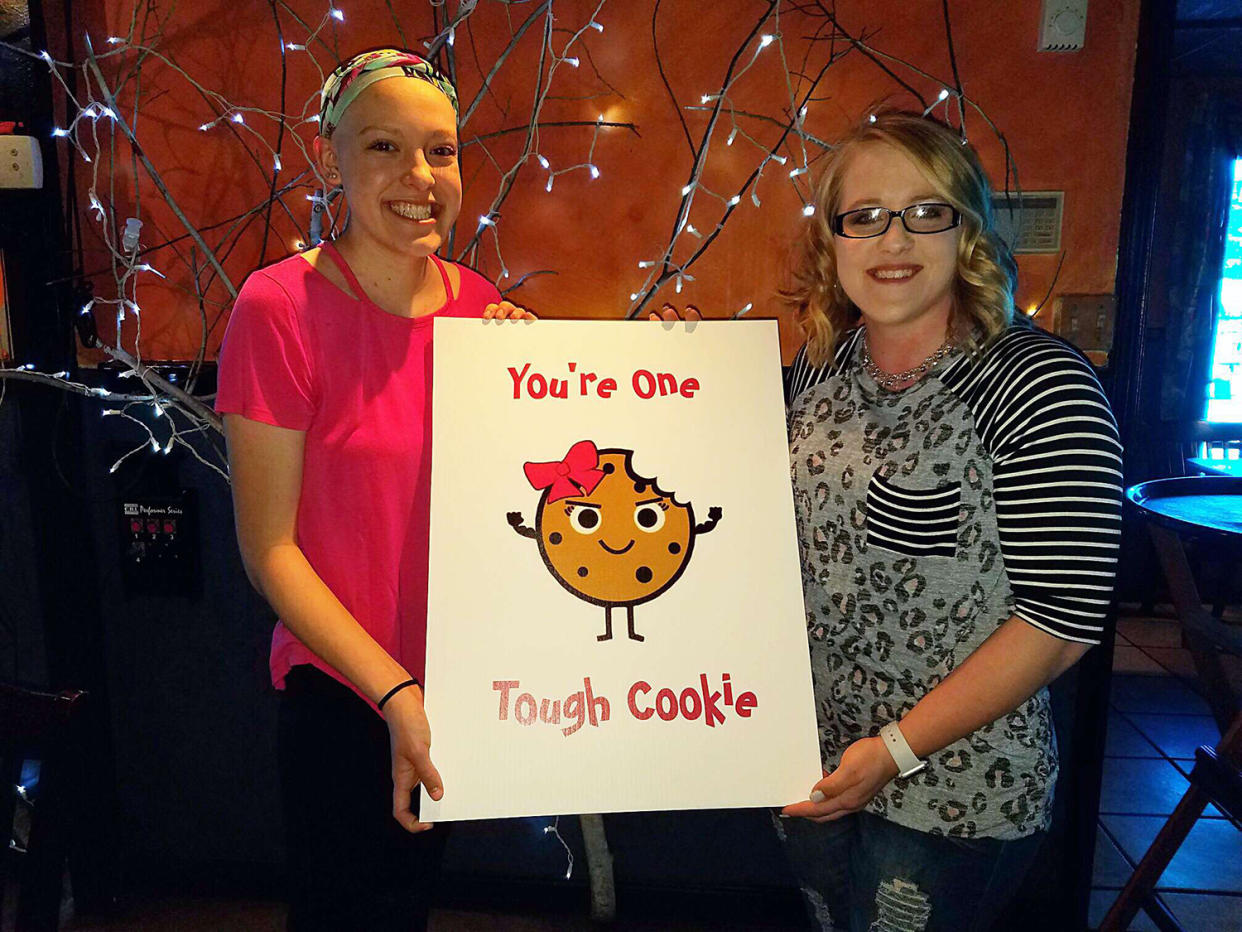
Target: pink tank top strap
[(444, 276), (334, 254)]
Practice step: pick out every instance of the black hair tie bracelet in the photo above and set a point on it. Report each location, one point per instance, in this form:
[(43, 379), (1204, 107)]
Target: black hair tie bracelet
[(396, 689)]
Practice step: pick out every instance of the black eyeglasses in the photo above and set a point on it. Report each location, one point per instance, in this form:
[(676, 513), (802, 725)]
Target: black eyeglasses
[(875, 221)]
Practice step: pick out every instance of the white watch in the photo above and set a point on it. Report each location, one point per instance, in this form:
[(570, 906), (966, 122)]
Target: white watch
[(907, 763)]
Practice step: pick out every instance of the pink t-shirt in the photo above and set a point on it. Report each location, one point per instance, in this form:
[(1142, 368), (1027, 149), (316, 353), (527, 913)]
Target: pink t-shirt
[(301, 353)]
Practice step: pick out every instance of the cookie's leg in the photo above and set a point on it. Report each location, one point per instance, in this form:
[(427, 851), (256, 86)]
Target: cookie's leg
[(629, 617), (607, 635)]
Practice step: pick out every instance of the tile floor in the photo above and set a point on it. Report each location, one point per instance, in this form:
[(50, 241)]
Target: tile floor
[(1156, 721)]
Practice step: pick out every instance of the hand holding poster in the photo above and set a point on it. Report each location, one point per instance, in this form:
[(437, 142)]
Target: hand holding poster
[(615, 616)]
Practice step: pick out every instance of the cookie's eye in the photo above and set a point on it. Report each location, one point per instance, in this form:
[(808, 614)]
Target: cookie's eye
[(584, 520), (649, 517)]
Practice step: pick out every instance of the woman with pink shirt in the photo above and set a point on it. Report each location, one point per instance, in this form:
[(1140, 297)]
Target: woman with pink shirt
[(325, 388)]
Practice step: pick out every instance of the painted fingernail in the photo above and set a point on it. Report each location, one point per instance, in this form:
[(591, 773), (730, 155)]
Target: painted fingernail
[(817, 796)]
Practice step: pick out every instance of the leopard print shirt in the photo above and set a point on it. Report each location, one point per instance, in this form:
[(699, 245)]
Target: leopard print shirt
[(904, 576)]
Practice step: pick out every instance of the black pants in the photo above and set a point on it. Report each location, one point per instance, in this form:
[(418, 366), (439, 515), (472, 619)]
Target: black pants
[(351, 866)]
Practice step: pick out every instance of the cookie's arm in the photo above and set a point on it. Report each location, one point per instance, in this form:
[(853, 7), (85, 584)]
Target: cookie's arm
[(515, 522), (713, 517)]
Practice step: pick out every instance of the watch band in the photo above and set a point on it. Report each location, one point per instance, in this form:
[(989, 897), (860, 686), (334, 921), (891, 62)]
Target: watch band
[(907, 763)]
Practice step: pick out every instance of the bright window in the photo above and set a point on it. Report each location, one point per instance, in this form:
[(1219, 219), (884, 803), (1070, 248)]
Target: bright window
[(1224, 388)]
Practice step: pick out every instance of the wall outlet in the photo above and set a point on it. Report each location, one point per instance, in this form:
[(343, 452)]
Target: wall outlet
[(1086, 320), (21, 162)]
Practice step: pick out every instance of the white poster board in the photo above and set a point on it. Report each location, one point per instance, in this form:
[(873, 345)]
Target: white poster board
[(637, 471)]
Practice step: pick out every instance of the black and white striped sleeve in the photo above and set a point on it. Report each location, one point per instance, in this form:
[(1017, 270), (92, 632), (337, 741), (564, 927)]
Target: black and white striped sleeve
[(1057, 482)]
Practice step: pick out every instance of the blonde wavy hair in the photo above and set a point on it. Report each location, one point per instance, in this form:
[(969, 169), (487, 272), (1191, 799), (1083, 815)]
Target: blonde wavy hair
[(986, 271)]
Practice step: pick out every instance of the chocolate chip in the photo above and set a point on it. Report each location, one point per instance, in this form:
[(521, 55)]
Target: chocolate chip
[(554, 537), (674, 547), (643, 574), (582, 571)]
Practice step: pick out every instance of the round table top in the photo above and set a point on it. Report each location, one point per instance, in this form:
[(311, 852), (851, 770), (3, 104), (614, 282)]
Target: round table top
[(1194, 504)]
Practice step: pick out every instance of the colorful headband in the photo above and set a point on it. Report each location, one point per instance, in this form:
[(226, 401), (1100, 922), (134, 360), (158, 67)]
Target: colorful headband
[(351, 78)]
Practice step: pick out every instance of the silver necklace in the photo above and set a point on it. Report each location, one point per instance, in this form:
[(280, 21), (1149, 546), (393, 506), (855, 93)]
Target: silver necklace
[(890, 380)]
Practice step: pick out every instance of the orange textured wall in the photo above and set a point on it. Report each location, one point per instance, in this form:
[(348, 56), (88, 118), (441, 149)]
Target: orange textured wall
[(1065, 117)]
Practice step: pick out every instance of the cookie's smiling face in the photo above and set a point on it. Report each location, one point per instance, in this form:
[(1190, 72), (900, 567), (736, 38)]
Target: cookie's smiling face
[(623, 544)]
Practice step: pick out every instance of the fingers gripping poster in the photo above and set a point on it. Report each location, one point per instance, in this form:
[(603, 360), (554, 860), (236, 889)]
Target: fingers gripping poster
[(615, 618)]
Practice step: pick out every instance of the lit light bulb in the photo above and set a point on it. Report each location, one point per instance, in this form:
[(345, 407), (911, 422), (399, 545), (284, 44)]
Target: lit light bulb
[(486, 221), (808, 210), (633, 295), (646, 264), (944, 92), (732, 136), (765, 40), (871, 118), (337, 14), (60, 132), (452, 36), (687, 189), (295, 47), (548, 186), (237, 118), (594, 171), (276, 162), (571, 61), (542, 161), (596, 26), (203, 127), (734, 201), (115, 40)]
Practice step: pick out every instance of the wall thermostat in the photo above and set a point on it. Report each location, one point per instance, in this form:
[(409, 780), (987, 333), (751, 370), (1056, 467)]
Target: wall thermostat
[(21, 162), (1029, 222), (1063, 25)]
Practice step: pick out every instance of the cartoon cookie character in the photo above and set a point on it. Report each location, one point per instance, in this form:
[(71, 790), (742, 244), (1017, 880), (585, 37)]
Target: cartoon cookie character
[(608, 535)]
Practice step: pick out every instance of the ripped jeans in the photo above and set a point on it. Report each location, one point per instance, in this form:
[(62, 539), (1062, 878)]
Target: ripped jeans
[(863, 873)]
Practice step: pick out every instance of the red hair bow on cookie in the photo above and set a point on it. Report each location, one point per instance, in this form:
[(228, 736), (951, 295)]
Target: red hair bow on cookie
[(576, 474)]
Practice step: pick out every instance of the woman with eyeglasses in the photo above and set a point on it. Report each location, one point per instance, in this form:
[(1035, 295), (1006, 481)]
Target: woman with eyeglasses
[(957, 486)]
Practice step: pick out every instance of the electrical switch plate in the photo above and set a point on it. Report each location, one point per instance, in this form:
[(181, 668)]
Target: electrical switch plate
[(1063, 25), (1086, 320), (21, 162)]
